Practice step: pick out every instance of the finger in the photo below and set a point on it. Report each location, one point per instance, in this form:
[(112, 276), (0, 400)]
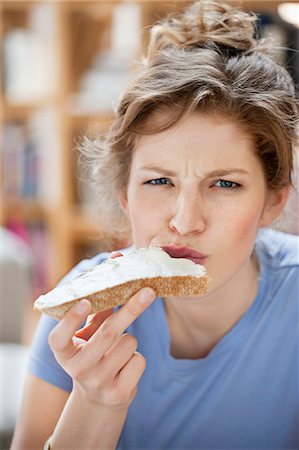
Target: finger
[(115, 325), (93, 323), (126, 315), (61, 337), (131, 373), (115, 254), (118, 356)]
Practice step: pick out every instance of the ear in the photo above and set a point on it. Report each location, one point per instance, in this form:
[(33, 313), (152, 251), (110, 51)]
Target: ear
[(274, 205), (123, 202)]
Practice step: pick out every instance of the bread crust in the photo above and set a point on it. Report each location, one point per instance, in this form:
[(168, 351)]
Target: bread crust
[(120, 294)]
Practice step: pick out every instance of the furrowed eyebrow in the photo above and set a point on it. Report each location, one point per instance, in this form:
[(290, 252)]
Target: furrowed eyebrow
[(220, 173), (214, 173), (159, 170)]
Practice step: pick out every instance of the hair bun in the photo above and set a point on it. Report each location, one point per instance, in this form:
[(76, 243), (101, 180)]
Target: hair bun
[(203, 24)]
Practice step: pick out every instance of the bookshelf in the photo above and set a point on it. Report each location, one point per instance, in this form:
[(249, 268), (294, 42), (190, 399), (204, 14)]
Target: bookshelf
[(45, 105), (39, 127)]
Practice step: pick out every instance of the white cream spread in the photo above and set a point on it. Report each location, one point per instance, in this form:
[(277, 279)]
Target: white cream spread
[(141, 263)]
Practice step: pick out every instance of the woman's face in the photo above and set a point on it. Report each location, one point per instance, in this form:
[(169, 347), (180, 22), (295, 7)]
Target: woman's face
[(198, 186)]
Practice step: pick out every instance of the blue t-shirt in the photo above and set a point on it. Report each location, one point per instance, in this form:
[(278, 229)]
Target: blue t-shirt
[(243, 395)]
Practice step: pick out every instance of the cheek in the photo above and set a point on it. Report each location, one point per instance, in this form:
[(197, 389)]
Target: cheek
[(146, 205), (248, 223), (233, 243), (239, 240), (238, 228)]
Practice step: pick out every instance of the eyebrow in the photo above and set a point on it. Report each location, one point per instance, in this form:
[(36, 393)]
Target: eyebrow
[(214, 173)]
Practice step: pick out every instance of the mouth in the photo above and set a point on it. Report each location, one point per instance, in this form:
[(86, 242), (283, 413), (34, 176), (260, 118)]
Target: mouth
[(184, 252)]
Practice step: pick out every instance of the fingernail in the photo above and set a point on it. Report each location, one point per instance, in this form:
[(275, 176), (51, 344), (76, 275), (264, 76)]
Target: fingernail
[(82, 307), (146, 295)]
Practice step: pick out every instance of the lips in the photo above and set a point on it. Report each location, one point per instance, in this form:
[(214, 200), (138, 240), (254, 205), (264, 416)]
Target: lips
[(184, 252)]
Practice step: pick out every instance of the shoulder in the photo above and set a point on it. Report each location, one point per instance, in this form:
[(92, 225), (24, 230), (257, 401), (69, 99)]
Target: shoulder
[(279, 280), (277, 249)]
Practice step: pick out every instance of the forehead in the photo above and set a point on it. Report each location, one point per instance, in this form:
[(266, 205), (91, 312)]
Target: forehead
[(213, 137)]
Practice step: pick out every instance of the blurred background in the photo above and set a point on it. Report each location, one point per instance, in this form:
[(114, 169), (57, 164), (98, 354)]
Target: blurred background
[(63, 67)]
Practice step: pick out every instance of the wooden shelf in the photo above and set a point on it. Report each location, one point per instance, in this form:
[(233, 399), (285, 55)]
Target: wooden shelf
[(18, 110), (18, 5), (25, 209)]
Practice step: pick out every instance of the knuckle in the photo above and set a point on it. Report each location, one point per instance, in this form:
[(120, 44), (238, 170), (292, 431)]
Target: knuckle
[(139, 360), (77, 375), (130, 341), (93, 382), (95, 385), (107, 331), (54, 341), (117, 397)]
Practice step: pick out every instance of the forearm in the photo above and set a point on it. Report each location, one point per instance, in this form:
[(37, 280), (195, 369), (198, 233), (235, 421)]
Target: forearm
[(87, 426)]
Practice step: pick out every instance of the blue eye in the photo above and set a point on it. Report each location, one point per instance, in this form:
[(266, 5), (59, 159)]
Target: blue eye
[(158, 181), (227, 184)]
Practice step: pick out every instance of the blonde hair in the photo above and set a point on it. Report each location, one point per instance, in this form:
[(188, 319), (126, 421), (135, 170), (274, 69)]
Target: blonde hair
[(205, 59)]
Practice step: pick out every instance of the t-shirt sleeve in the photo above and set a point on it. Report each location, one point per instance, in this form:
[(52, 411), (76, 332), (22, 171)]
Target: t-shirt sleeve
[(42, 362)]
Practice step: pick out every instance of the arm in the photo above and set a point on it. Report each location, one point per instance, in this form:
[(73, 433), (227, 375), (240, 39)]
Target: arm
[(105, 368), (86, 425), (41, 408), (44, 406)]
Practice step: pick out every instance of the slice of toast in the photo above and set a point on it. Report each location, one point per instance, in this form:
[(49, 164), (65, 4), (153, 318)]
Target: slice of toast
[(113, 282)]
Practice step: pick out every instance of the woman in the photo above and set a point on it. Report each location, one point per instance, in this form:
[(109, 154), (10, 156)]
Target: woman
[(199, 159)]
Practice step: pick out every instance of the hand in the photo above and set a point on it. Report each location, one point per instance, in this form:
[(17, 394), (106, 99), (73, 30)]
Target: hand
[(101, 359)]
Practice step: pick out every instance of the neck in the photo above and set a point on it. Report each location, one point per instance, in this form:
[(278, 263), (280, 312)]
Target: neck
[(202, 323)]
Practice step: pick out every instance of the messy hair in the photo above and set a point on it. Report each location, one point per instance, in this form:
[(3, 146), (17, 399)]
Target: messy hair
[(204, 59)]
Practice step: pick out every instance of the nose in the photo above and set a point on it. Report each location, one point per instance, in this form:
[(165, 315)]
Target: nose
[(189, 216)]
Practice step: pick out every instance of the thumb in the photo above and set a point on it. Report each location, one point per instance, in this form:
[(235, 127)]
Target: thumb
[(93, 323)]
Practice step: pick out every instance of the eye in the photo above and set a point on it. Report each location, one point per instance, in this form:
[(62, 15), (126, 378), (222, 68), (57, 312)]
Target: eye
[(227, 184), (159, 181)]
